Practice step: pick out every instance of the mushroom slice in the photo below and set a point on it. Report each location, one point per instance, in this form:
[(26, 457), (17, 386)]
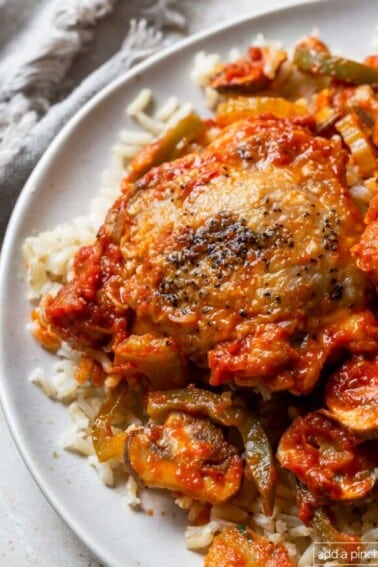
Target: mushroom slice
[(186, 454), (248, 74), (241, 546), (224, 411), (352, 395), (326, 457)]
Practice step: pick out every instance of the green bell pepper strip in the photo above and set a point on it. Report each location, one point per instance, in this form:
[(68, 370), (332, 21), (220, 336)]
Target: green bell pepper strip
[(320, 63), (167, 148), (259, 459), (218, 407), (106, 444), (224, 411)]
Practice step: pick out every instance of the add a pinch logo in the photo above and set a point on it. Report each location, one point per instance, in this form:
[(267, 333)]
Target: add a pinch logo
[(345, 553)]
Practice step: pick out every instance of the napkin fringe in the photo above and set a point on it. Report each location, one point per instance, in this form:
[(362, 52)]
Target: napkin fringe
[(49, 58), (31, 115), (27, 93)]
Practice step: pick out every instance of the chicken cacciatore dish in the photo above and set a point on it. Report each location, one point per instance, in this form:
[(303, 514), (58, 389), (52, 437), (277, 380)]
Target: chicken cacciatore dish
[(233, 288)]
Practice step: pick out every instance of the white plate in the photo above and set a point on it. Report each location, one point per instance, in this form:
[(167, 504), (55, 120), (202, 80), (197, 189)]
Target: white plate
[(59, 188)]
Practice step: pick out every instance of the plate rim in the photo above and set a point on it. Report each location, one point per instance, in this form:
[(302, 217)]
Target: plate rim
[(99, 551)]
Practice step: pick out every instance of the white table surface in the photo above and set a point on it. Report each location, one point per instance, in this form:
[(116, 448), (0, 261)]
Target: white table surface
[(31, 532)]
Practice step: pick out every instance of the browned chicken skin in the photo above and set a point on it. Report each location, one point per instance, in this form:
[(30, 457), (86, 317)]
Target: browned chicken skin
[(240, 251)]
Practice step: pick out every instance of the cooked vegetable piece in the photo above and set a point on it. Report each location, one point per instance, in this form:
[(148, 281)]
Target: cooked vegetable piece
[(313, 43), (186, 454), (326, 117), (352, 395), (237, 108), (338, 100), (222, 410), (219, 407), (361, 149), (166, 148), (248, 74), (106, 444), (326, 457), (89, 369), (241, 547), (259, 458), (319, 62), (293, 83), (307, 503), (156, 358), (348, 546)]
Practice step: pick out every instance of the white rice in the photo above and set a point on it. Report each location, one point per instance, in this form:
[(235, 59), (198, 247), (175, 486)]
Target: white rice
[(133, 138), (61, 384), (148, 123), (200, 537), (203, 66), (49, 255), (167, 110), (132, 493), (140, 103), (104, 470), (70, 441)]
